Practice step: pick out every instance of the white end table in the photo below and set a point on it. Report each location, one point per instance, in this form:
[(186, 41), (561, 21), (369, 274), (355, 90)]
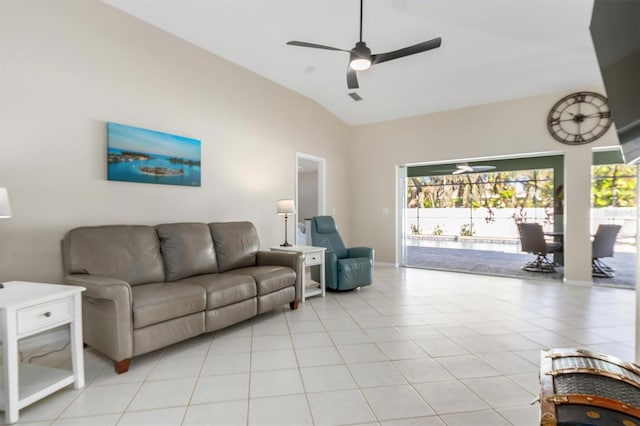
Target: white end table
[(311, 256), (26, 309)]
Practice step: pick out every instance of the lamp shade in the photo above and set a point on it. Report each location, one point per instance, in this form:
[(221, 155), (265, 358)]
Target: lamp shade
[(5, 207), (286, 207), (360, 64)]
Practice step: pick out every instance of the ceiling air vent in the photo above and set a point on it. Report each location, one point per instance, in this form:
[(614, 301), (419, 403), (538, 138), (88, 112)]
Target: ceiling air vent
[(355, 96)]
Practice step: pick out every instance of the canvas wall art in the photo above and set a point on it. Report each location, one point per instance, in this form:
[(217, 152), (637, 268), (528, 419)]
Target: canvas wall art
[(148, 156)]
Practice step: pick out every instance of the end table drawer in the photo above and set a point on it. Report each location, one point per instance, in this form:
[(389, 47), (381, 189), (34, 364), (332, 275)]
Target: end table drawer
[(44, 315), (313, 258)]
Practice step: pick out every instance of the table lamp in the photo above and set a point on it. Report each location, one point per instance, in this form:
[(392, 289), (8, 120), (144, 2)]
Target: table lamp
[(286, 207)]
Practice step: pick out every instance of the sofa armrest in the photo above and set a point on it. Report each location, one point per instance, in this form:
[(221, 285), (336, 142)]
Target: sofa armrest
[(279, 258), (100, 287), (360, 252), (284, 258), (107, 311)]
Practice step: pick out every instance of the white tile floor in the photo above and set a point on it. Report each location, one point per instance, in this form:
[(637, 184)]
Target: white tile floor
[(417, 347)]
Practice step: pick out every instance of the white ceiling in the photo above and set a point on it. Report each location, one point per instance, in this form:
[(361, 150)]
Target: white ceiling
[(492, 50)]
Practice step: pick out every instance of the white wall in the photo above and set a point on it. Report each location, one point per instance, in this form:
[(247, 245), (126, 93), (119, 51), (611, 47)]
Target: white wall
[(67, 67), (512, 128)]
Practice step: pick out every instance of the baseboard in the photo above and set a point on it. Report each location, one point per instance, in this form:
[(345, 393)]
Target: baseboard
[(579, 283)]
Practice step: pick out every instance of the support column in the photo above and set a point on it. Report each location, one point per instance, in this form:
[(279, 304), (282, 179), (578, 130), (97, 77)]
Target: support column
[(577, 208), (637, 265)]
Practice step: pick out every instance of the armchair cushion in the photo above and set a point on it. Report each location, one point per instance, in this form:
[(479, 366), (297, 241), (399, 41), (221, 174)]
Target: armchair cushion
[(236, 244), (354, 272), (325, 234), (187, 250)]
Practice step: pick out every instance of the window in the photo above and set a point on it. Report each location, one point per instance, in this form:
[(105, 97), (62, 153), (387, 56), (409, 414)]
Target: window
[(479, 204), (614, 198)]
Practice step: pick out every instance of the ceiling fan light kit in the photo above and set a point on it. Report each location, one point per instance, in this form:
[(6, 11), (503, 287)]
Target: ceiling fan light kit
[(360, 57)]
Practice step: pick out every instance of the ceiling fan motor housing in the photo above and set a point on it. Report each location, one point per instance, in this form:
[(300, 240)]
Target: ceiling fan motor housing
[(361, 50)]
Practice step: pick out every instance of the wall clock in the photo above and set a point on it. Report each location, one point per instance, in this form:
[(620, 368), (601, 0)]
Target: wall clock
[(579, 118)]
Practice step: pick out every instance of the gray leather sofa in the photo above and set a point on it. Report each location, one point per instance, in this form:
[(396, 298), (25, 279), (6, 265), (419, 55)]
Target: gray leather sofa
[(151, 286)]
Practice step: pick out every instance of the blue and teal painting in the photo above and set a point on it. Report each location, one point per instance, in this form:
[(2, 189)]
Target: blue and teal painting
[(147, 156)]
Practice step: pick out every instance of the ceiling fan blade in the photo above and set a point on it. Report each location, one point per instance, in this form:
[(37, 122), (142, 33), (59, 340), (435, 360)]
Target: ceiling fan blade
[(482, 168), (462, 168), (352, 78), (406, 51), (313, 45)]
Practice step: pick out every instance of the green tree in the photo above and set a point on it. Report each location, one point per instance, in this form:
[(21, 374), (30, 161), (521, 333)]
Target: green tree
[(613, 185)]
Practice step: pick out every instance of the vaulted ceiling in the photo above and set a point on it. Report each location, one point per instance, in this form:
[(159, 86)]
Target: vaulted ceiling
[(492, 50)]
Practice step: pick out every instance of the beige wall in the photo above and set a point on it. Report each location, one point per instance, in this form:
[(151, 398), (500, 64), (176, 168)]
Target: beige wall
[(67, 67), (497, 130)]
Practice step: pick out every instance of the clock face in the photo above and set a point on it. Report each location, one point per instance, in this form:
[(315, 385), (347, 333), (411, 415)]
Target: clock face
[(579, 118)]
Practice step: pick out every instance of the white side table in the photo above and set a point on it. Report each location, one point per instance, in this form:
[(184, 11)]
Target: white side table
[(26, 309), (311, 256)]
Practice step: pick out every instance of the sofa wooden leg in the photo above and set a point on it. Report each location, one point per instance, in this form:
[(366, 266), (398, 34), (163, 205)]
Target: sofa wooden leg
[(294, 305), (122, 366)]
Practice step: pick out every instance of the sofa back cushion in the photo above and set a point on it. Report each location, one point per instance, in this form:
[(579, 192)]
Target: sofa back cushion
[(187, 250), (127, 252), (236, 244)]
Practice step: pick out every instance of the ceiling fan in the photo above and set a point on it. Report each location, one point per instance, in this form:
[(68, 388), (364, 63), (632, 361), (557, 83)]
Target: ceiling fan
[(360, 57), (466, 168)]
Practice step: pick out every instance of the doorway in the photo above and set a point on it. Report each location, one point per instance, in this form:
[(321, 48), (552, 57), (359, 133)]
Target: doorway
[(310, 193), (463, 216), (614, 195)]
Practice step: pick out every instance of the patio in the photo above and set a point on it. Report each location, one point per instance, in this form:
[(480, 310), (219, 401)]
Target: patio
[(506, 260)]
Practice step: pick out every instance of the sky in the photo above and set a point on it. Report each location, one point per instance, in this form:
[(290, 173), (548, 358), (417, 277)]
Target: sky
[(130, 138)]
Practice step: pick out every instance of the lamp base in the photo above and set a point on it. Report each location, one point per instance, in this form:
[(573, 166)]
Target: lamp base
[(286, 240)]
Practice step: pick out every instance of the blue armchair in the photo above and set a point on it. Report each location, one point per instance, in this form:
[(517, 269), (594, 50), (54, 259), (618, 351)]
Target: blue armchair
[(345, 268)]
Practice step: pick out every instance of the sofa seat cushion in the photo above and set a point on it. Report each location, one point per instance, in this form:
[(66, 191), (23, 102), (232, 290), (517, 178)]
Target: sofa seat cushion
[(154, 303), (269, 278), (224, 289)]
